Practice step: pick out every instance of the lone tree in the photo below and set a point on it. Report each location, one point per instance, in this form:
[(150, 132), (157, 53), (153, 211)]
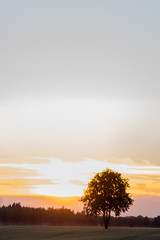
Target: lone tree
[(106, 193)]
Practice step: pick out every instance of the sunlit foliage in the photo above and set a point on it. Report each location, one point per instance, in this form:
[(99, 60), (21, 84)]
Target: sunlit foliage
[(106, 193)]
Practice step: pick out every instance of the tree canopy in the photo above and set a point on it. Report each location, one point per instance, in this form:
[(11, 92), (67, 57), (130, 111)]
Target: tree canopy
[(106, 193)]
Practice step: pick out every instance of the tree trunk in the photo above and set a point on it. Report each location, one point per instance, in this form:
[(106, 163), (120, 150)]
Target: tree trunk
[(106, 224), (106, 219)]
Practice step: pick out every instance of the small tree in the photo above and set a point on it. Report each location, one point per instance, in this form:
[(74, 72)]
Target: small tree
[(106, 193)]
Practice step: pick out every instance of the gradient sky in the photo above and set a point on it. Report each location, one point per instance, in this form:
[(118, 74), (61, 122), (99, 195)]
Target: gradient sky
[(79, 92)]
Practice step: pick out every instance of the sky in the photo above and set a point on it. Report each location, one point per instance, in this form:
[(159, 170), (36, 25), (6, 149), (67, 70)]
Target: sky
[(79, 92)]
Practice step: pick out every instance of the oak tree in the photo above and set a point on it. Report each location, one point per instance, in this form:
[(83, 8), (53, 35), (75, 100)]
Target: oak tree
[(106, 193)]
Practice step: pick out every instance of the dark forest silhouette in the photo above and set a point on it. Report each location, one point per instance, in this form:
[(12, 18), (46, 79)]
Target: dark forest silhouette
[(16, 214)]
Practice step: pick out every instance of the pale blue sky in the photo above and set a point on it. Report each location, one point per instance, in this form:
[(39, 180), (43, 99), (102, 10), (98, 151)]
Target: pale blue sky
[(106, 49), (67, 50)]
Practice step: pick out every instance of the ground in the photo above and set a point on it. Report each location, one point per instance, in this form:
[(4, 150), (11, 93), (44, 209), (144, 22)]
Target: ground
[(77, 233)]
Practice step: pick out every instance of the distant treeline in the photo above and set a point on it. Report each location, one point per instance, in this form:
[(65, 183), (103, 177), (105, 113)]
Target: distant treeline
[(15, 214)]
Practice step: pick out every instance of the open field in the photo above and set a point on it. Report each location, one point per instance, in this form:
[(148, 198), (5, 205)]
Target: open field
[(77, 233)]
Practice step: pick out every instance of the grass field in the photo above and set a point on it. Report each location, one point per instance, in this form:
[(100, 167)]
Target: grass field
[(77, 233)]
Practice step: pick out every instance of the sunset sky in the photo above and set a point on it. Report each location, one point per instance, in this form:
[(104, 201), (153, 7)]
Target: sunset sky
[(80, 92)]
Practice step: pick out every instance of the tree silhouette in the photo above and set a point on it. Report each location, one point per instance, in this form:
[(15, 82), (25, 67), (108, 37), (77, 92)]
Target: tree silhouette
[(106, 193)]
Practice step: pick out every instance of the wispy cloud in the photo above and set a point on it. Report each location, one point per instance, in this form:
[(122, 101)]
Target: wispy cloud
[(21, 186), (16, 172), (62, 178), (78, 182), (20, 158)]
